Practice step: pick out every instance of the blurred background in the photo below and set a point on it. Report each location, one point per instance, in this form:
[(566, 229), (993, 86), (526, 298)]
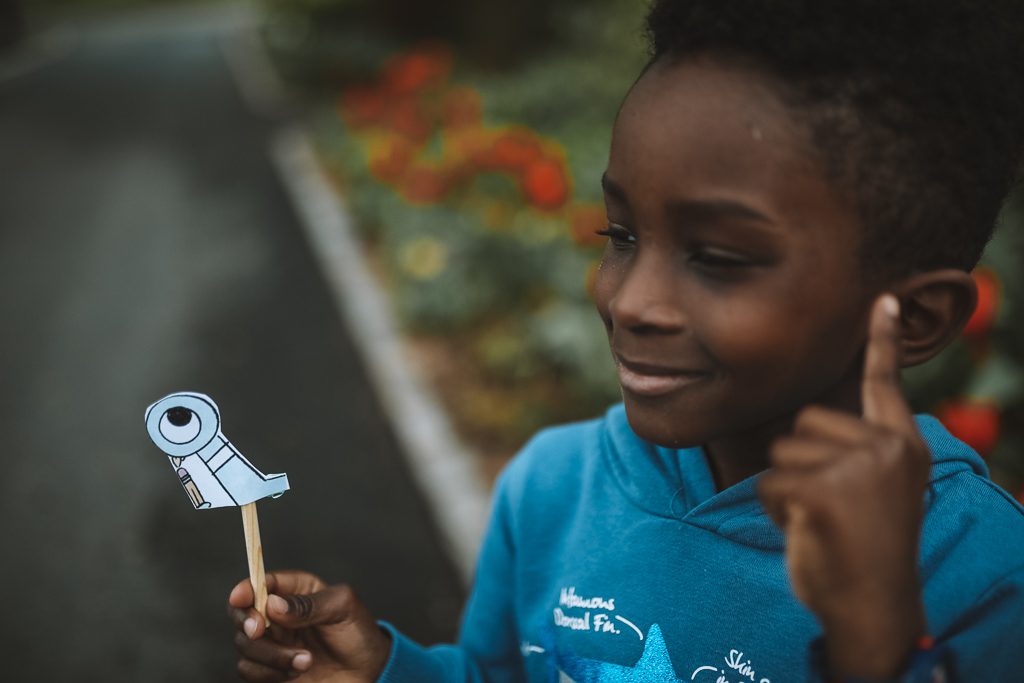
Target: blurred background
[(149, 246)]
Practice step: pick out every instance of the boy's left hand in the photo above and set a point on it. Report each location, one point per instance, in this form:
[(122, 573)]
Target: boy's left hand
[(318, 633), (849, 494)]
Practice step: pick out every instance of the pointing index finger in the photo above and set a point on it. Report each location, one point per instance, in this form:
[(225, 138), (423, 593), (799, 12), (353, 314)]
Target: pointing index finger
[(881, 395)]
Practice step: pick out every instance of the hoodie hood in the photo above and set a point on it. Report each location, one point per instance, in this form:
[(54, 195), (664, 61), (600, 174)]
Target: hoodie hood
[(678, 483)]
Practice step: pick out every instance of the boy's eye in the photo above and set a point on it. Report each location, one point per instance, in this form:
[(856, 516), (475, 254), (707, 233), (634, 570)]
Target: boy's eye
[(619, 236), (713, 258)]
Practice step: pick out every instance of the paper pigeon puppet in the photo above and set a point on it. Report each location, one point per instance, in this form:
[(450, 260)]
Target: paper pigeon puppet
[(186, 426)]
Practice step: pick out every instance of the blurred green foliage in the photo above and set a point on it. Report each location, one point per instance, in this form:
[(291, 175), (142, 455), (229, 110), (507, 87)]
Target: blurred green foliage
[(502, 277), (325, 42), (49, 6), (496, 266)]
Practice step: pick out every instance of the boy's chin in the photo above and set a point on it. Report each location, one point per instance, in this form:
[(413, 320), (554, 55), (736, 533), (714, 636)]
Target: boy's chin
[(663, 427)]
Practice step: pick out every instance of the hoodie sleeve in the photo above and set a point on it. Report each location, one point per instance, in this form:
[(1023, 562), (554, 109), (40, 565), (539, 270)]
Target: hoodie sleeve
[(488, 646)]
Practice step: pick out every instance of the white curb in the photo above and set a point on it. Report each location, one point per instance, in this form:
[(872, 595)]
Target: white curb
[(444, 469)]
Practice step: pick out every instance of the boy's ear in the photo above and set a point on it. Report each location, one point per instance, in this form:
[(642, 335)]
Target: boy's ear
[(934, 307)]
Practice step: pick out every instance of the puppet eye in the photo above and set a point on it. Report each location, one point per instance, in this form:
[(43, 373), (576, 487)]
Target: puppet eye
[(180, 425)]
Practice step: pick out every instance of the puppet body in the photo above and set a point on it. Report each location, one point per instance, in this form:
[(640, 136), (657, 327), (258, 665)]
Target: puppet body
[(186, 426)]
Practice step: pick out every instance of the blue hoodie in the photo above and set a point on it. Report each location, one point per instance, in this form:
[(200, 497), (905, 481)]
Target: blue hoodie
[(609, 559)]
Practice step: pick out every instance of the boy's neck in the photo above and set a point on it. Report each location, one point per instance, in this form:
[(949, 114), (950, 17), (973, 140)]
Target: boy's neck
[(736, 457)]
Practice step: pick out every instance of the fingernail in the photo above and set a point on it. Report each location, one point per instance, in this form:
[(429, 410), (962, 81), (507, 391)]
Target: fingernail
[(278, 604), (891, 305), (249, 626), (302, 661)]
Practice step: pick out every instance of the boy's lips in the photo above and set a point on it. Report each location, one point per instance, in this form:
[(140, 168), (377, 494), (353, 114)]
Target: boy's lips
[(654, 380)]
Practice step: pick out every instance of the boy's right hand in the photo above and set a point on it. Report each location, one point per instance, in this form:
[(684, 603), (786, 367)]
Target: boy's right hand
[(317, 633)]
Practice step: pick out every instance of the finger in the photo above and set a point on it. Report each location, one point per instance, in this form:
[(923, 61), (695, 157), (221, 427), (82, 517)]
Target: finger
[(824, 423), (237, 616), (777, 489), (241, 612), (794, 452), (271, 654), (254, 672), (290, 581), (881, 395), (283, 635), (781, 491), (332, 605), (241, 595), (248, 621), (286, 581)]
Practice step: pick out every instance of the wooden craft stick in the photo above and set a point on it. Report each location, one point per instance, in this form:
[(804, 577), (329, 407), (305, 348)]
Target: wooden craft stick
[(186, 426), (254, 549)]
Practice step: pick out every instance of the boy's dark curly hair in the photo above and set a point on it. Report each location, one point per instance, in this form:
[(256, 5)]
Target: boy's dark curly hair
[(917, 106)]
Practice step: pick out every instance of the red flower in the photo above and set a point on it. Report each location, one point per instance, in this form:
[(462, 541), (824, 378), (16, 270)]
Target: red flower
[(545, 185), (362, 106), (410, 73), (976, 423), (407, 119), (512, 150), (988, 304)]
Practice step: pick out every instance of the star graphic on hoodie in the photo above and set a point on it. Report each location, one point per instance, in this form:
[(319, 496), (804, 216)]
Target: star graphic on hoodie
[(654, 666)]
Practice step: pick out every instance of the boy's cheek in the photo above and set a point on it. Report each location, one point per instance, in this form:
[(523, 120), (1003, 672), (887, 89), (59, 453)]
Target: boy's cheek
[(606, 283), (770, 371)]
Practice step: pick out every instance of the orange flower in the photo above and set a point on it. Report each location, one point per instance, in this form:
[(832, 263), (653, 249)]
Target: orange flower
[(407, 118), (461, 108), (423, 184), (391, 161), (425, 67), (974, 422), (461, 148), (584, 221), (545, 185), (511, 150), (988, 304), (362, 106)]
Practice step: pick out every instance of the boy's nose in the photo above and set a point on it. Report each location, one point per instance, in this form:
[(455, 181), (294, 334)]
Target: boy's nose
[(648, 299)]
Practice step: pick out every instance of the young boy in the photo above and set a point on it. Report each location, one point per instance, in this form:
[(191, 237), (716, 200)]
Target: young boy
[(796, 192)]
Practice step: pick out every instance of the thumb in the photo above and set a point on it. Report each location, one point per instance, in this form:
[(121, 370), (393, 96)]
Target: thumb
[(881, 394), (332, 605), (348, 632)]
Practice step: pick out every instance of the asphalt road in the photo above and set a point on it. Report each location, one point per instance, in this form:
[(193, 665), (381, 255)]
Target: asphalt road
[(147, 247)]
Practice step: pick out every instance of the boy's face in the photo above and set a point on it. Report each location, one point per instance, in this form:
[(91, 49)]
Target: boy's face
[(731, 286)]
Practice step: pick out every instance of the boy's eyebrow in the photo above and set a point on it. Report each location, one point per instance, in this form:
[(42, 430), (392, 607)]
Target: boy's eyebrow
[(696, 209), (612, 188), (712, 209)]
